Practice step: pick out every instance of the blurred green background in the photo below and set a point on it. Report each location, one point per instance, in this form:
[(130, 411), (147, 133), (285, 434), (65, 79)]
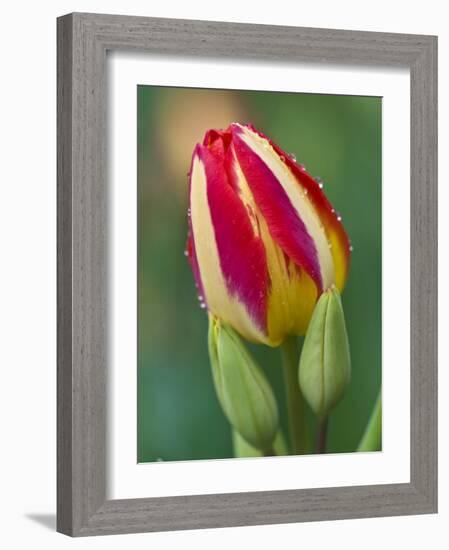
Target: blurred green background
[(338, 138)]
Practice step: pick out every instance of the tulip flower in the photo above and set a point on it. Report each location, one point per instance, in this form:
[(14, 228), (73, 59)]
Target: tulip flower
[(264, 242)]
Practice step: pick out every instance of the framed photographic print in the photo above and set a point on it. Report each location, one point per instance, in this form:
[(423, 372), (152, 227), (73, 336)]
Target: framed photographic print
[(247, 283)]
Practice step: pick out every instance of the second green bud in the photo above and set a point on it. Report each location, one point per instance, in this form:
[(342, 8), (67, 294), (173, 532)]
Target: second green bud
[(325, 364)]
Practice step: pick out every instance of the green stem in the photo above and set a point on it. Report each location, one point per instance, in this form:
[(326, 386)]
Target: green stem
[(295, 402), (321, 437), (372, 438)]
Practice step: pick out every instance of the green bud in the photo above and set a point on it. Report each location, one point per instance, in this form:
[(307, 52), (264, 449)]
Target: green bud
[(242, 389), (325, 363)]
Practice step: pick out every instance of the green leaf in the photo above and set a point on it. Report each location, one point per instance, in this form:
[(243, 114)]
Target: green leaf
[(244, 392), (372, 437), (325, 364)]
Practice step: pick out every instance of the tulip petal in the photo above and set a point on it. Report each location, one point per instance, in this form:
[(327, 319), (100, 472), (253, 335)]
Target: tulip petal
[(291, 218), (292, 292), (336, 234), (230, 256), (193, 260), (191, 249)]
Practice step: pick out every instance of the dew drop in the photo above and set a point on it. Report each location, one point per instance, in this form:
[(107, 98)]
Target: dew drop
[(293, 156), (351, 248), (320, 184), (186, 252), (333, 210), (202, 305), (302, 167), (339, 217)]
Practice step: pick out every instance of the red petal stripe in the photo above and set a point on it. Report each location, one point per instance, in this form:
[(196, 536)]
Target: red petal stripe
[(284, 223), (241, 252)]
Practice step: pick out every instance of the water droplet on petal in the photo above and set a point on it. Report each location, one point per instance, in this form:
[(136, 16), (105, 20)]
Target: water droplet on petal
[(320, 185), (202, 305), (292, 156), (351, 248), (186, 252), (339, 217), (302, 167)]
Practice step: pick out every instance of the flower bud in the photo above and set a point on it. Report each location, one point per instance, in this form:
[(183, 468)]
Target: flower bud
[(325, 364), (264, 242), (242, 389)]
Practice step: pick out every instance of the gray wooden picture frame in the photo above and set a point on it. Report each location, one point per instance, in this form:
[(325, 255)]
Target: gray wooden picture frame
[(83, 40)]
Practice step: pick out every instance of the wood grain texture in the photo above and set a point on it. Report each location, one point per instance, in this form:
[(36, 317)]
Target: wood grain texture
[(64, 278), (83, 40)]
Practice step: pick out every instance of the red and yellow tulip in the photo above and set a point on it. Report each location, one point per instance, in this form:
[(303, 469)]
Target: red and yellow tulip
[(264, 242)]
